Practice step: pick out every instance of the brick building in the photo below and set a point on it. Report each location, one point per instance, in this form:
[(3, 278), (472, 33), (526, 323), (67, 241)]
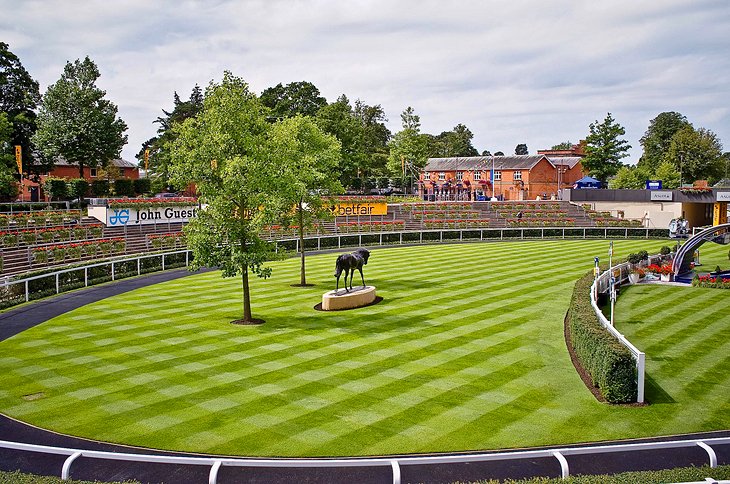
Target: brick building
[(518, 177)]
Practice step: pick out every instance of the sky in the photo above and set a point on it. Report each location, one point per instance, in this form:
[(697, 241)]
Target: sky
[(534, 72)]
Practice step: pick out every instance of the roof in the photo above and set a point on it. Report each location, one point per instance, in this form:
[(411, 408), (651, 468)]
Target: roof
[(569, 161), (515, 162), (119, 163), (724, 183)]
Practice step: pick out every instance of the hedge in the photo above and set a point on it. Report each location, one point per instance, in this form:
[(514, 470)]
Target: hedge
[(124, 187), (20, 478), (610, 365)]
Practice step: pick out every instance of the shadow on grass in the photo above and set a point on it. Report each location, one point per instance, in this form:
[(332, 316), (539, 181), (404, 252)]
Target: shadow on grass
[(655, 393)]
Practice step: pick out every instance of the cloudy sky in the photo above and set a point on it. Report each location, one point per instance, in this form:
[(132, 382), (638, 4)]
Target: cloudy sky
[(535, 72)]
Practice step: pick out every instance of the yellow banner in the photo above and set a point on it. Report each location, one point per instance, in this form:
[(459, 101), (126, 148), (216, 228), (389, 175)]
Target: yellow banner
[(19, 158), (353, 209), (720, 213)]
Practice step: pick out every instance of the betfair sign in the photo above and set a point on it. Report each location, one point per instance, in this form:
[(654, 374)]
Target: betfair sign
[(359, 208)]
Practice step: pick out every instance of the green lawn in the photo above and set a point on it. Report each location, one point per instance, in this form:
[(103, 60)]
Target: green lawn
[(466, 351)]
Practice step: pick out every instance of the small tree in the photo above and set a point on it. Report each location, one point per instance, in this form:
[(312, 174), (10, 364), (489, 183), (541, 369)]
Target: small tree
[(142, 186), (307, 160), (78, 188), (100, 188), (55, 188), (605, 148), (521, 149), (124, 187)]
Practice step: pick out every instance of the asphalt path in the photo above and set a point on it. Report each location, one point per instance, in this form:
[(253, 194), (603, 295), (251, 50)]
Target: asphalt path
[(15, 320)]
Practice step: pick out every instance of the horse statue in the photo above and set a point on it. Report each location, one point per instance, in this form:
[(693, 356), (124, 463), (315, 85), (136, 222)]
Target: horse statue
[(348, 263)]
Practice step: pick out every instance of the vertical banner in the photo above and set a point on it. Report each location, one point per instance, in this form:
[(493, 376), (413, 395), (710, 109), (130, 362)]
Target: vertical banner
[(719, 215), (19, 158)]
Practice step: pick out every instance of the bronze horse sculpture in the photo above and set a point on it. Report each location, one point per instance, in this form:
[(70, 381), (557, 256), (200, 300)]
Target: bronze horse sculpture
[(348, 263)]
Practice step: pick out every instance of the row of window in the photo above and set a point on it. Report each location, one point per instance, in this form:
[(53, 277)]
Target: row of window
[(516, 175)]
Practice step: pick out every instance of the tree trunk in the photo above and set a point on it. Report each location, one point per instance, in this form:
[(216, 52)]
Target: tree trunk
[(81, 170), (246, 296), (302, 272)]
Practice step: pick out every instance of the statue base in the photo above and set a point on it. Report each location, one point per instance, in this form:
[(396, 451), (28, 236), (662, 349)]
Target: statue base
[(356, 298)]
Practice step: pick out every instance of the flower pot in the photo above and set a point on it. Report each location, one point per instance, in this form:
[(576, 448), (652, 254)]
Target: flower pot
[(666, 277), (633, 278)]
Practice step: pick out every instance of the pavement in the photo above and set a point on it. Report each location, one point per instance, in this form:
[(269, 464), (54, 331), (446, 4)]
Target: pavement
[(26, 316)]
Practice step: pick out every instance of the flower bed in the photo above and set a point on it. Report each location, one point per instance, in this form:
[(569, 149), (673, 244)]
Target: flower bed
[(617, 222), (695, 190), (533, 213), (525, 206), (715, 282), (558, 222), (291, 230), (50, 234), (169, 240), (438, 206), (358, 199), (665, 269), (38, 218), (455, 223), (151, 202), (77, 250), (379, 225), (446, 214)]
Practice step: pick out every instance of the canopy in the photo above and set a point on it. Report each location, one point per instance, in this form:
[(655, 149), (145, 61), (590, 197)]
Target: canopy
[(587, 182)]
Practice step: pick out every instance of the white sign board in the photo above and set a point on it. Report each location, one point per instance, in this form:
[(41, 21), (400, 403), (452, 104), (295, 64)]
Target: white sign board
[(723, 196), (661, 196), (119, 217)]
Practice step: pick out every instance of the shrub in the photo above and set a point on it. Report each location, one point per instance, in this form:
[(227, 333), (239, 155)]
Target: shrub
[(55, 187), (78, 187), (665, 250), (610, 365), (100, 188), (142, 186), (124, 187), (634, 258)]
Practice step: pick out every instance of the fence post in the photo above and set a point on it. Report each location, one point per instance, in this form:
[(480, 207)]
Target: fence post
[(27, 298), (163, 261), (564, 469), (640, 369), (86, 277), (396, 471), (57, 284), (139, 259), (66, 470), (213, 476), (112, 270)]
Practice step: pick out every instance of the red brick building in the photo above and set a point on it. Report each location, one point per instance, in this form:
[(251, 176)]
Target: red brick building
[(518, 177), (63, 169)]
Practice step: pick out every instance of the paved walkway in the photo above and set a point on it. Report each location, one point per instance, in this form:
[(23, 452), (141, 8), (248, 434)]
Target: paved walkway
[(19, 319)]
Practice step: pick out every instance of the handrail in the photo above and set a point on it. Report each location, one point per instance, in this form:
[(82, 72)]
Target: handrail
[(394, 462)]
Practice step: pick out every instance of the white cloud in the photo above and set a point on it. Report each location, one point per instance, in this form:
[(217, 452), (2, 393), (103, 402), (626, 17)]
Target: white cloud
[(513, 72)]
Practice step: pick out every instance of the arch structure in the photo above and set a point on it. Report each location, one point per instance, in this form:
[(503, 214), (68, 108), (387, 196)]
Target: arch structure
[(719, 234)]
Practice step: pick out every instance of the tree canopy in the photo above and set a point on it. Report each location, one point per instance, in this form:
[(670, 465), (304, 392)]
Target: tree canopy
[(605, 148), (565, 145), (697, 154), (295, 98), (521, 149), (408, 149), (76, 123), (456, 142), (658, 137)]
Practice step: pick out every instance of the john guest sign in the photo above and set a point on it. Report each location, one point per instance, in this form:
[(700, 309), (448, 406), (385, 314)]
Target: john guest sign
[(119, 217), (354, 208)]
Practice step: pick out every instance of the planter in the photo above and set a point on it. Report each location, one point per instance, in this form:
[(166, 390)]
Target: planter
[(666, 277), (633, 278)]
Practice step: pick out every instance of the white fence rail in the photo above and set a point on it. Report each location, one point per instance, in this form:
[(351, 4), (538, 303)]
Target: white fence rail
[(395, 463)]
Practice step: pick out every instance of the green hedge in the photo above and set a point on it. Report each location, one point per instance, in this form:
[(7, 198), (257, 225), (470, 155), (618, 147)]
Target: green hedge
[(19, 478), (608, 362), (680, 474)]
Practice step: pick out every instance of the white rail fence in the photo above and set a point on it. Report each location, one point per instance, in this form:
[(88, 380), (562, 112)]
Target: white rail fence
[(395, 463)]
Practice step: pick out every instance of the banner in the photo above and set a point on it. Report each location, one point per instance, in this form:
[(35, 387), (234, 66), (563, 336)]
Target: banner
[(360, 208), (19, 158)]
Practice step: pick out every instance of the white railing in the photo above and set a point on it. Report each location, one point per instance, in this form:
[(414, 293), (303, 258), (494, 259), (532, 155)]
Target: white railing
[(6, 284), (395, 463)]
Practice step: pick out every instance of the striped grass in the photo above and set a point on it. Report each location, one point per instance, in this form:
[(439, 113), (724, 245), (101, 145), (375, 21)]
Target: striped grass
[(465, 352)]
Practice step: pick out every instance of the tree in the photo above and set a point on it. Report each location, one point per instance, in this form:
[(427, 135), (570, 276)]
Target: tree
[(521, 149), (499, 153), (668, 174), (307, 160), (19, 97), (456, 142), (658, 137), (224, 151), (374, 138), (8, 183), (408, 148), (565, 145), (294, 98), (339, 120), (76, 122), (630, 177), (486, 153), (697, 154), (605, 148)]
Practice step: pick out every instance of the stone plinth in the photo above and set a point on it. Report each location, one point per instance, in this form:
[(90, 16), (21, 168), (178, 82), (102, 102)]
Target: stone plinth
[(357, 297)]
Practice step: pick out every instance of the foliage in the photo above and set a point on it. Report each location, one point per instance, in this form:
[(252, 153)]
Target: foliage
[(76, 123), (100, 188), (717, 282), (658, 137), (55, 188), (697, 154), (609, 364), (665, 250), (124, 187), (668, 174), (295, 98), (78, 187), (224, 152), (565, 145), (142, 186), (408, 147), (19, 97), (456, 142), (605, 148), (630, 177), (307, 160), (521, 149), (152, 202), (339, 120)]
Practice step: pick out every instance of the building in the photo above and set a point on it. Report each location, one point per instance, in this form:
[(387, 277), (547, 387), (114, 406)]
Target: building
[(64, 169), (517, 177)]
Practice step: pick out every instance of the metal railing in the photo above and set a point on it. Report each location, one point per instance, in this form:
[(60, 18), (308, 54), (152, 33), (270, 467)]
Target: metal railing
[(395, 463)]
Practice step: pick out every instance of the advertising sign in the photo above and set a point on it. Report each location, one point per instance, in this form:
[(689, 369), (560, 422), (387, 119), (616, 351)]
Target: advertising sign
[(653, 184), (119, 217), (359, 208), (663, 196), (719, 214), (723, 196)]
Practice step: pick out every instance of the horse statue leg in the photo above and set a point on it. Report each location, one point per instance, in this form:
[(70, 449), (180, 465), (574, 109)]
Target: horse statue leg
[(361, 276), (352, 273)]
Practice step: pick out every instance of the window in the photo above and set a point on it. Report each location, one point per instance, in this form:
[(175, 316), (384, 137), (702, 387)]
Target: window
[(442, 176), (426, 176), (92, 172), (497, 176), (459, 175), (477, 175), (518, 175)]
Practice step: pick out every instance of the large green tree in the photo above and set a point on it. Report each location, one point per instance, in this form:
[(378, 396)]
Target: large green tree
[(19, 97), (306, 160), (630, 177), (408, 149), (374, 138), (697, 154), (76, 122), (339, 120), (521, 149), (295, 98), (565, 145), (224, 152), (456, 142), (605, 148), (8, 183), (658, 137)]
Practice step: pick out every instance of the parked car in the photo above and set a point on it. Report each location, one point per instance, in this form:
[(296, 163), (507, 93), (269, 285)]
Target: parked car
[(167, 195)]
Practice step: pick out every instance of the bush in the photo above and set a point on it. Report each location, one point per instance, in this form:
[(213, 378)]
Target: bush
[(124, 187), (665, 250), (142, 186), (610, 365), (55, 187), (100, 188), (634, 258), (78, 187)]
